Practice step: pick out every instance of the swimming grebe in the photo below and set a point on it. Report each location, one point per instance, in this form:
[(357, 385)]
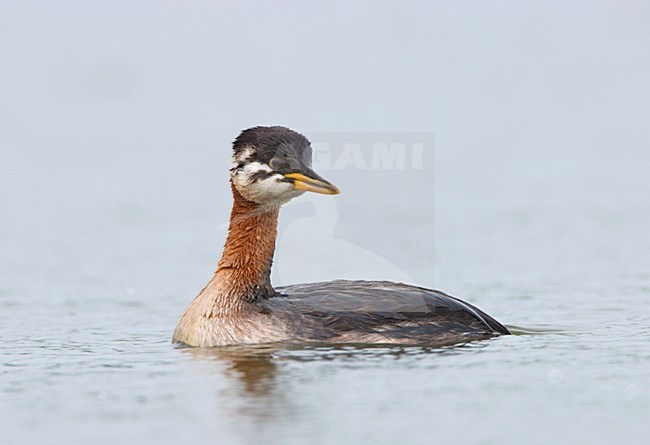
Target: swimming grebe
[(272, 165)]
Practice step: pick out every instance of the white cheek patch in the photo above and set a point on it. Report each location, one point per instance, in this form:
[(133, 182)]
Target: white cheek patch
[(241, 158), (270, 190), (248, 170)]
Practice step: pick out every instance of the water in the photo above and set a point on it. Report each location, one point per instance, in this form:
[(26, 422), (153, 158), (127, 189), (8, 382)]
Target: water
[(532, 205)]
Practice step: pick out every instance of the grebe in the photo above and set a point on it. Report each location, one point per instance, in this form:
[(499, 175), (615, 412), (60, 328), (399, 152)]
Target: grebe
[(272, 165)]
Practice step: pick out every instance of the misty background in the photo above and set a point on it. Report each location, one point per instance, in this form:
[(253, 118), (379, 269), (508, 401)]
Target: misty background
[(123, 112), (116, 123)]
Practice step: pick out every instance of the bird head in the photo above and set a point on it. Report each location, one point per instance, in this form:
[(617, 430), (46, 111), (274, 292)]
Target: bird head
[(272, 165)]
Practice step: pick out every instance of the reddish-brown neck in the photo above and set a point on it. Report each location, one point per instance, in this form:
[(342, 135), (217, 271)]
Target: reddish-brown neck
[(244, 271)]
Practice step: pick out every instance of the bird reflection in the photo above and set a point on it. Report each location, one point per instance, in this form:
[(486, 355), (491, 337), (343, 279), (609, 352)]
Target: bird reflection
[(252, 366), (255, 367), (256, 387)]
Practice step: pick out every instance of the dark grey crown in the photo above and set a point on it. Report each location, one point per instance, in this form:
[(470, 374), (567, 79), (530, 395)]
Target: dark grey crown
[(281, 148)]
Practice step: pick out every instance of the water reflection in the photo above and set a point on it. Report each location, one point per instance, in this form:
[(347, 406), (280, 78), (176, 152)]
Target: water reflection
[(258, 390), (259, 368), (252, 366)]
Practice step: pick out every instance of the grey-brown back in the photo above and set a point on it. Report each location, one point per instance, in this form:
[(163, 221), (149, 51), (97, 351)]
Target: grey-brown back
[(369, 311)]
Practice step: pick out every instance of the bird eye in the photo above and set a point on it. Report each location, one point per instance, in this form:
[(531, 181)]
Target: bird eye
[(275, 163)]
